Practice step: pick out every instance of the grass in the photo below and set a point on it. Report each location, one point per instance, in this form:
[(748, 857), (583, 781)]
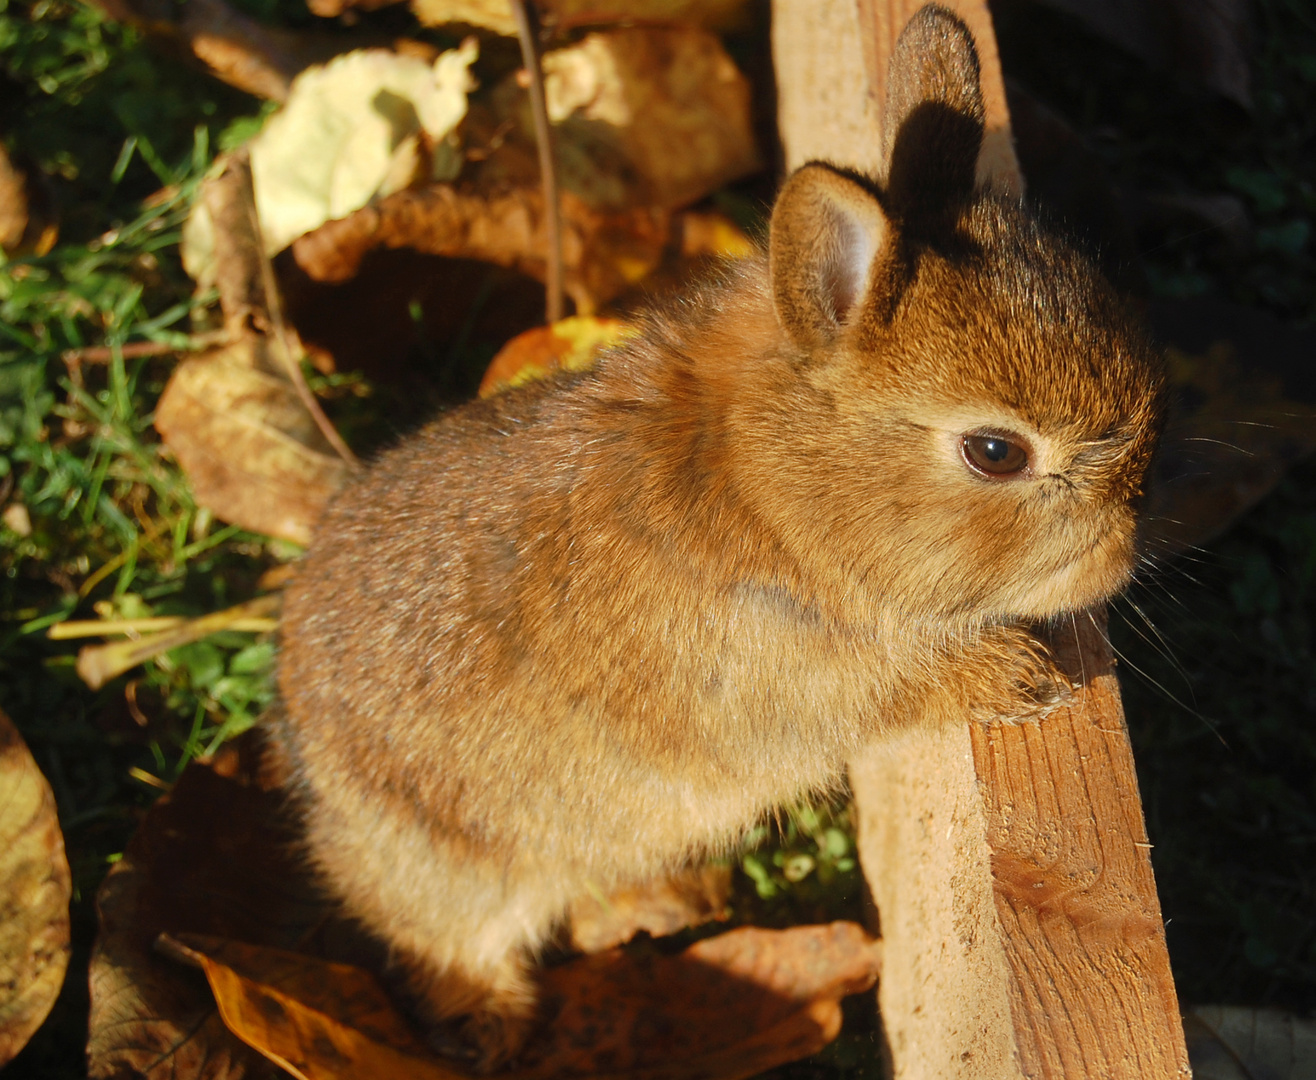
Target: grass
[(108, 525)]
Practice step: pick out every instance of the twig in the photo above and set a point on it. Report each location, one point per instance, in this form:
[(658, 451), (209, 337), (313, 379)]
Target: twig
[(103, 354), (98, 664), (527, 33), (274, 309), (83, 628)]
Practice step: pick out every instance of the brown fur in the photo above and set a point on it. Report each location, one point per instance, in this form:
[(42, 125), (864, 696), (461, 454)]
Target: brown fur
[(577, 635)]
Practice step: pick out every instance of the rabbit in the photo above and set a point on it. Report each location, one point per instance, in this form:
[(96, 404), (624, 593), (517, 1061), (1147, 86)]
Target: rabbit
[(580, 634)]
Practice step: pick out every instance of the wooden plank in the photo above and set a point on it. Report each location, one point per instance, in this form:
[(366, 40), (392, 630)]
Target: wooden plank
[(830, 58), (945, 990), (1009, 863), (1075, 896)]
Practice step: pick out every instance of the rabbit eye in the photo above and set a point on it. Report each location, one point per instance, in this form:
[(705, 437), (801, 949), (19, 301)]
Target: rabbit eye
[(995, 456)]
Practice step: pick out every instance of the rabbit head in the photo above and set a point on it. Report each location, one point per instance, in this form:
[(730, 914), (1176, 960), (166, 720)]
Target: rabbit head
[(972, 411)]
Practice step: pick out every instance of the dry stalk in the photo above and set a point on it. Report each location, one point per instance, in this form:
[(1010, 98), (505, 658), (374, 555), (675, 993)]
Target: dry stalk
[(527, 31)]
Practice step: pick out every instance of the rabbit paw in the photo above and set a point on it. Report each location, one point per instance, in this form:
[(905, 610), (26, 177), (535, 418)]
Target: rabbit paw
[(1022, 682)]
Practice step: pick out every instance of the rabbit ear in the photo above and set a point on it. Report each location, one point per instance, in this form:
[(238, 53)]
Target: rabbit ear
[(933, 125), (826, 232)]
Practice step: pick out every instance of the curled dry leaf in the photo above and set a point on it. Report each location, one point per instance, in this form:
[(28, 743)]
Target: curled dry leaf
[(495, 15), (251, 451), (666, 906), (363, 126), (313, 1018), (728, 1007), (1229, 1042), (667, 109), (34, 895), (328, 9), (652, 119), (215, 855), (604, 253), (571, 344)]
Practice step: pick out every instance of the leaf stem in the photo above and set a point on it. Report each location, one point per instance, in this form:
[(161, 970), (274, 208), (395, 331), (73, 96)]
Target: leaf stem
[(527, 33)]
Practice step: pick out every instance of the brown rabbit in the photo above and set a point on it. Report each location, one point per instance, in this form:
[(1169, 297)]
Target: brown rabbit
[(574, 636)]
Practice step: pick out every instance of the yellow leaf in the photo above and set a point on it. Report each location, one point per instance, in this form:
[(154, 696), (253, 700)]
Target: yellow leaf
[(315, 1019), (34, 895), (351, 132), (571, 344)]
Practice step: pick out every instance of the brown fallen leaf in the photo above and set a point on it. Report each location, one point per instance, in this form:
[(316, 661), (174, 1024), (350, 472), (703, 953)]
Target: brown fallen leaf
[(604, 253), (215, 855), (708, 233), (1231, 1042), (662, 116), (314, 1019), (727, 1007), (570, 344), (251, 451), (34, 895), (661, 907), (651, 119)]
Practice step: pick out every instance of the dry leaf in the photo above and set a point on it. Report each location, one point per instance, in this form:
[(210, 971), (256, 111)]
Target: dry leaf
[(1228, 1042), (328, 9), (313, 1018), (34, 895), (251, 451), (496, 15), (354, 130), (621, 177), (708, 233), (730, 1006), (571, 344), (665, 110), (221, 248), (215, 856), (661, 907), (605, 253)]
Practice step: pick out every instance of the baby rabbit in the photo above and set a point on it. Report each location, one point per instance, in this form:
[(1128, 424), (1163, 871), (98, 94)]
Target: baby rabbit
[(577, 635)]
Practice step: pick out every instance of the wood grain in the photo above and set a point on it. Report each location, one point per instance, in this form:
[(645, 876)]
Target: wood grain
[(1080, 922), (831, 57)]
